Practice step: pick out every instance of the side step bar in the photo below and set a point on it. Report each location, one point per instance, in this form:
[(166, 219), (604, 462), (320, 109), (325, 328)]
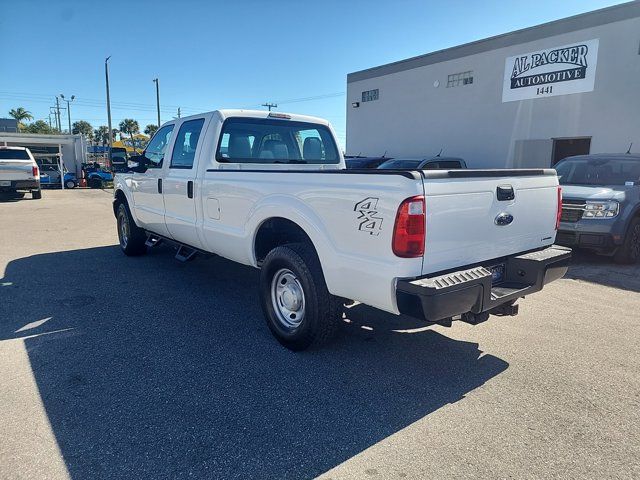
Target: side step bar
[(153, 240), (184, 254)]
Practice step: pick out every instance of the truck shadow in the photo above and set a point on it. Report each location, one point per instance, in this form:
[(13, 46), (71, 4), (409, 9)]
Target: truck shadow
[(593, 268), (160, 369)]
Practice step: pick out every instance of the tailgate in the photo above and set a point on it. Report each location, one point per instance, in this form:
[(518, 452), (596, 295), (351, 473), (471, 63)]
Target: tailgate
[(16, 170), (472, 217)]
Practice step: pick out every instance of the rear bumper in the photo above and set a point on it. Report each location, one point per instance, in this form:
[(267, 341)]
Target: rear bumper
[(441, 296), (21, 185)]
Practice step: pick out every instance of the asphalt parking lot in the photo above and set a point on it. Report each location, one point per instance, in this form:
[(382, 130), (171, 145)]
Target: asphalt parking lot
[(116, 367)]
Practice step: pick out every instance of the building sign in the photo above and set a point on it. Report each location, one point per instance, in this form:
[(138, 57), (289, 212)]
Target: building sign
[(554, 71)]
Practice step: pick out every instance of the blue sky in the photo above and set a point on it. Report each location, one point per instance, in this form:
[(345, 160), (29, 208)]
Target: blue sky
[(241, 53)]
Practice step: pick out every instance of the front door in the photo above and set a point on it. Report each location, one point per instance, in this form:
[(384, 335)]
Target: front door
[(147, 187), (180, 184)]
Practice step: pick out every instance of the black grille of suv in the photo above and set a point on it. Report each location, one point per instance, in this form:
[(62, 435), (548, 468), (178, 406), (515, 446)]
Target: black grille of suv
[(572, 210)]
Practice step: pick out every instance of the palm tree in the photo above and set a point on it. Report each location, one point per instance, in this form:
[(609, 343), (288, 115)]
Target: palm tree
[(150, 129), (101, 134), (20, 114), (130, 126)]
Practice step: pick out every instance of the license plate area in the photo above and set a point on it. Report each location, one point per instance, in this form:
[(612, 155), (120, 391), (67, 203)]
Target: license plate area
[(497, 273), (5, 183)]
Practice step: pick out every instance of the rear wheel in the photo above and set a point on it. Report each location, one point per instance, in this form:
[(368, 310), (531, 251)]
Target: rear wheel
[(629, 251), (36, 194), (95, 183), (70, 184), (131, 237), (299, 310)]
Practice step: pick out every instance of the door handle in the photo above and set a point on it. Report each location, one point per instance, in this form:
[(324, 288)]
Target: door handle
[(159, 185), (190, 189)]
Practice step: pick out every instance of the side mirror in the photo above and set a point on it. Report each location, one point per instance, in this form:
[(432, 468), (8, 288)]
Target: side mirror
[(138, 163)]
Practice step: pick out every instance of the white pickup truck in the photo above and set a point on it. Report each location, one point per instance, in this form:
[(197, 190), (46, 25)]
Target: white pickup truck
[(19, 171), (271, 190)]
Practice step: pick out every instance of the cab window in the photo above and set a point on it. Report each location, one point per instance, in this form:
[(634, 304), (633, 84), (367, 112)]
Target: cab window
[(184, 150), (157, 146)]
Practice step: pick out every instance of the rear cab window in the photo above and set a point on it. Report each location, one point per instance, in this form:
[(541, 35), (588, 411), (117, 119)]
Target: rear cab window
[(275, 141), (10, 154)]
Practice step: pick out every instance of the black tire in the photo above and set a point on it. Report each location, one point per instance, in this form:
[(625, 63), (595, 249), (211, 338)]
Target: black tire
[(95, 183), (69, 184), (36, 194), (321, 311), (132, 239), (629, 251)]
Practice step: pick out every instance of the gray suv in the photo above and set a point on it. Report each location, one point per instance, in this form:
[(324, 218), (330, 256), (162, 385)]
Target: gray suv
[(601, 204)]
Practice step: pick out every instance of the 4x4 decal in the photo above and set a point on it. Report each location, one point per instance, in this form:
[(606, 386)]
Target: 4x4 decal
[(368, 216)]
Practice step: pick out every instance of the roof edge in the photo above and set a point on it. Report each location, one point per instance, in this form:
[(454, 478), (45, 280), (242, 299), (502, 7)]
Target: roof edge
[(603, 16)]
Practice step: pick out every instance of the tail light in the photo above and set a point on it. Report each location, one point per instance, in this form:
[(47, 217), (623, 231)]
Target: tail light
[(34, 171), (409, 231), (559, 211)]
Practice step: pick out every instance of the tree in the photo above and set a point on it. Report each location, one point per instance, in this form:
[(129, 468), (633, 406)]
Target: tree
[(20, 114), (40, 126), (131, 127), (82, 127), (101, 134), (150, 129)]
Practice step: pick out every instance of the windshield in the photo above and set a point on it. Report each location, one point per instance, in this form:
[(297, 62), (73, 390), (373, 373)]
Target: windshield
[(598, 171), (258, 140), (8, 154)]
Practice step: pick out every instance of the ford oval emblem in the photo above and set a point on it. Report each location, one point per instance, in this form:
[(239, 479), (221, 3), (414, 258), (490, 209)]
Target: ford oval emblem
[(503, 219)]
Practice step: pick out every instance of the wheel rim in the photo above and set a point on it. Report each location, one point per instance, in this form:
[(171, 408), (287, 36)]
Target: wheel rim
[(69, 184), (287, 298), (635, 242), (123, 228)]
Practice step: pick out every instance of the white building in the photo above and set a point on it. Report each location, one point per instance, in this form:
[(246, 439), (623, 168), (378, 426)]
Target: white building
[(522, 99), (45, 148)]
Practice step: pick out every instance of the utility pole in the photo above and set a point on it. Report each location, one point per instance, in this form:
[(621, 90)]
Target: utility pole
[(68, 108), (270, 105), (157, 82), (106, 74), (59, 123)]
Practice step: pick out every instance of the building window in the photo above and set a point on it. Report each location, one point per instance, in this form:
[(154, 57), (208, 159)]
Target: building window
[(457, 79), (370, 95)]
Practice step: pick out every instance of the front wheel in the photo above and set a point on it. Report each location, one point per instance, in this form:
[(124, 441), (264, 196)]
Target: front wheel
[(70, 184), (629, 251), (299, 310), (95, 183), (131, 237)]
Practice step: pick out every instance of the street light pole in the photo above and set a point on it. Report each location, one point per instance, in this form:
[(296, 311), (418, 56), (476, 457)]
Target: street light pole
[(270, 105), (157, 82), (68, 108), (106, 73)]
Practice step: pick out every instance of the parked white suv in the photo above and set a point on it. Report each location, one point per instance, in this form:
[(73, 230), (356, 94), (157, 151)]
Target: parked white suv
[(271, 190), (19, 171)]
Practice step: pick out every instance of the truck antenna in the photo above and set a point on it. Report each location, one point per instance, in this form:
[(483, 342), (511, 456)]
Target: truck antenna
[(629, 150), (439, 153), (384, 155)]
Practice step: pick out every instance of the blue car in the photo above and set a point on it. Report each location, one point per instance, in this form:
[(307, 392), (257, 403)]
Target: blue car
[(96, 177), (50, 177)]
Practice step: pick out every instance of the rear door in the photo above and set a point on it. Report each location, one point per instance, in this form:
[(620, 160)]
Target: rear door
[(180, 183), (474, 216), (146, 187)]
